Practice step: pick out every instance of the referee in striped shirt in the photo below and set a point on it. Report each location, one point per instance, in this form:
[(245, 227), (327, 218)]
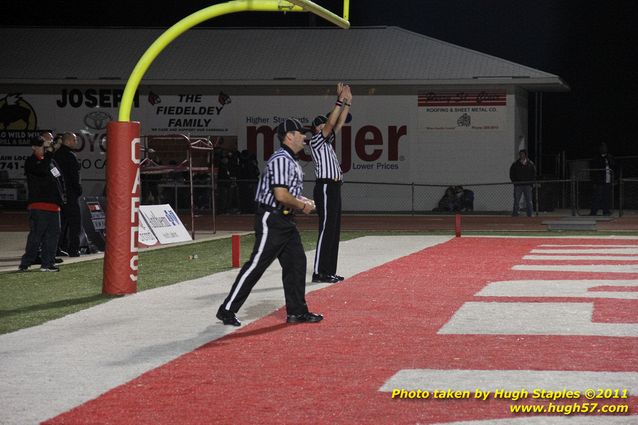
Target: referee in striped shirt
[(327, 192), (278, 197)]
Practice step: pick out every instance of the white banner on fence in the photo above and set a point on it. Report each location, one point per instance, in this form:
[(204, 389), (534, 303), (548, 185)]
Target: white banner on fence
[(163, 223)]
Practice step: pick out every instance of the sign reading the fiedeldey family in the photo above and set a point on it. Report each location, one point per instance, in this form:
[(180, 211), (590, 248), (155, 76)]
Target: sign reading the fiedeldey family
[(164, 223), (189, 113), (462, 111)]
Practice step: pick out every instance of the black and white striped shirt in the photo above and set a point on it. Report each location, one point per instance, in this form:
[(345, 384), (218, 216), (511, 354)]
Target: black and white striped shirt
[(323, 154), (282, 170)]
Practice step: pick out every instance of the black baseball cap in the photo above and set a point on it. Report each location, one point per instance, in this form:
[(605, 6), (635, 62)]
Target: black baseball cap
[(319, 119), (289, 124)]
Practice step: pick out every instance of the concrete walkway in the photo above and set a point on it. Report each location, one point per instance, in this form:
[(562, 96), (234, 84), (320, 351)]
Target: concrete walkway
[(49, 369)]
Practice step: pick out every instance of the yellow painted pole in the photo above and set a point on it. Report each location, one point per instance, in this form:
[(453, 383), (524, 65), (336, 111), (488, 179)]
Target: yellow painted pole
[(320, 11), (182, 26), (346, 10), (123, 165)]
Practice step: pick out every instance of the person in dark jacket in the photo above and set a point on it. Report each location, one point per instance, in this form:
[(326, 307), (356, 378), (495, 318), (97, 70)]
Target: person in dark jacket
[(522, 174), (70, 215), (46, 196), (602, 176)]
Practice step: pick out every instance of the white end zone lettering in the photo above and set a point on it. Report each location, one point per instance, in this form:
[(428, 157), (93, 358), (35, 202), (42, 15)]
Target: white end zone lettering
[(135, 202)]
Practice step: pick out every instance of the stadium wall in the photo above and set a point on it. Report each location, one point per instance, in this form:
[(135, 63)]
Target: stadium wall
[(399, 134)]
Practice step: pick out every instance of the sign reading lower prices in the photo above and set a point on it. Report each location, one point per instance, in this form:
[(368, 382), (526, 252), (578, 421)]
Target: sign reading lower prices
[(163, 223)]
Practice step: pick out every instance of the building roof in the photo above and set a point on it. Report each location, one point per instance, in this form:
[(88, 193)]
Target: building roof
[(257, 56)]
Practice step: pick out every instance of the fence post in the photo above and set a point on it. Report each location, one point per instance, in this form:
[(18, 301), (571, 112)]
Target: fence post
[(412, 187), (621, 189), (573, 194), (538, 188)]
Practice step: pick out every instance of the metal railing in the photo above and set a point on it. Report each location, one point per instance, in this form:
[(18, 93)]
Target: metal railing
[(236, 196)]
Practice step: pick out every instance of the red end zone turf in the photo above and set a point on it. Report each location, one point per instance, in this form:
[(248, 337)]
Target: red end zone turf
[(377, 323)]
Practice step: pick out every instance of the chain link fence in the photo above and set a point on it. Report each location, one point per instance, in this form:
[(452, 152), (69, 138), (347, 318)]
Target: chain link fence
[(628, 195), (491, 198), (573, 194)]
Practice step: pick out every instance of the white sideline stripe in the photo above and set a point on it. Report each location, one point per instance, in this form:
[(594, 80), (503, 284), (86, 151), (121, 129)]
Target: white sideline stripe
[(509, 380), (323, 228), (533, 318), (260, 250), (591, 245), (587, 268), (632, 251), (558, 288), (581, 257)]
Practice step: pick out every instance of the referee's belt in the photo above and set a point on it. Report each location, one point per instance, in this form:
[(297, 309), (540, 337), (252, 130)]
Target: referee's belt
[(276, 210), (328, 181)]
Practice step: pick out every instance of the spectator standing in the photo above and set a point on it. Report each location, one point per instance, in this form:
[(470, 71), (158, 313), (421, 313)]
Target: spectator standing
[(522, 174), (602, 169), (46, 196), (70, 215)]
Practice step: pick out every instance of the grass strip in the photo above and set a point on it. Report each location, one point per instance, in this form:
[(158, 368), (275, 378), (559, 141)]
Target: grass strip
[(32, 298)]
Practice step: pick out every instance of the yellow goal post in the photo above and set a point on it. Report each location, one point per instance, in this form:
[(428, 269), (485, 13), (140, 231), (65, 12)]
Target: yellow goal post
[(123, 142)]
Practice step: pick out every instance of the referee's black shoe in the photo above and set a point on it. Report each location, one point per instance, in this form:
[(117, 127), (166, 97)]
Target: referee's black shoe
[(304, 318), (324, 278), (227, 317)]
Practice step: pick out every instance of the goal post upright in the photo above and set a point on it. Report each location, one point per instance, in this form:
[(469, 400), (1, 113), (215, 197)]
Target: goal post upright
[(123, 138)]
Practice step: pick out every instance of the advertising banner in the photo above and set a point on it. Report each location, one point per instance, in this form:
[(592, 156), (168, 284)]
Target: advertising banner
[(371, 146), (162, 221), (462, 110), (437, 137)]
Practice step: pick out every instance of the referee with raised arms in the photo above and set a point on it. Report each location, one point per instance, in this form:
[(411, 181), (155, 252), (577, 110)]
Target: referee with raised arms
[(278, 197), (327, 191)]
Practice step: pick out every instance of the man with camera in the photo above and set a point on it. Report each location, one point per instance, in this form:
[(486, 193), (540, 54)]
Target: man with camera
[(46, 196)]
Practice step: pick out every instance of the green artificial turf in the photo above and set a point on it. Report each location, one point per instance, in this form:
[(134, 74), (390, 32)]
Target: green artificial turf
[(31, 298)]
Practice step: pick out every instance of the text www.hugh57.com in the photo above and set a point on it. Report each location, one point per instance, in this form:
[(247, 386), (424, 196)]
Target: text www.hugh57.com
[(568, 409)]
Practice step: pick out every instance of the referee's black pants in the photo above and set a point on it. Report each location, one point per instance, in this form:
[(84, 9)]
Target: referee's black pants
[(276, 236), (327, 197)]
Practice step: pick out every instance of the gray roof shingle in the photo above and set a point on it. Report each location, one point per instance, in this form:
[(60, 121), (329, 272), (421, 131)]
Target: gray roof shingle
[(367, 55)]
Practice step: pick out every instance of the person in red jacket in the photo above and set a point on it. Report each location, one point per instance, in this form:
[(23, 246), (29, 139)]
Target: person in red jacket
[(46, 196)]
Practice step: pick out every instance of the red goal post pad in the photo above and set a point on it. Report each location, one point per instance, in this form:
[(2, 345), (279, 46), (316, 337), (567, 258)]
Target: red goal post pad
[(122, 205)]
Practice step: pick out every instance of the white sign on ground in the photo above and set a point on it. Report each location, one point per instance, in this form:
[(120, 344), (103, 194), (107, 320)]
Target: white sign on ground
[(144, 234), (164, 223)]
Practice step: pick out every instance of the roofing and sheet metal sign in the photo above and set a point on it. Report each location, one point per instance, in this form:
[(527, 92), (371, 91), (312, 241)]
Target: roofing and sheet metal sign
[(164, 224), (462, 110)]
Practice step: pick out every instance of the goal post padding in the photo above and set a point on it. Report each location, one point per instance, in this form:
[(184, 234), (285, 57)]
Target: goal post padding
[(122, 205)]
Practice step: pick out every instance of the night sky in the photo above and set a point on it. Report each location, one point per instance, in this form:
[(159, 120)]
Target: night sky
[(592, 47)]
